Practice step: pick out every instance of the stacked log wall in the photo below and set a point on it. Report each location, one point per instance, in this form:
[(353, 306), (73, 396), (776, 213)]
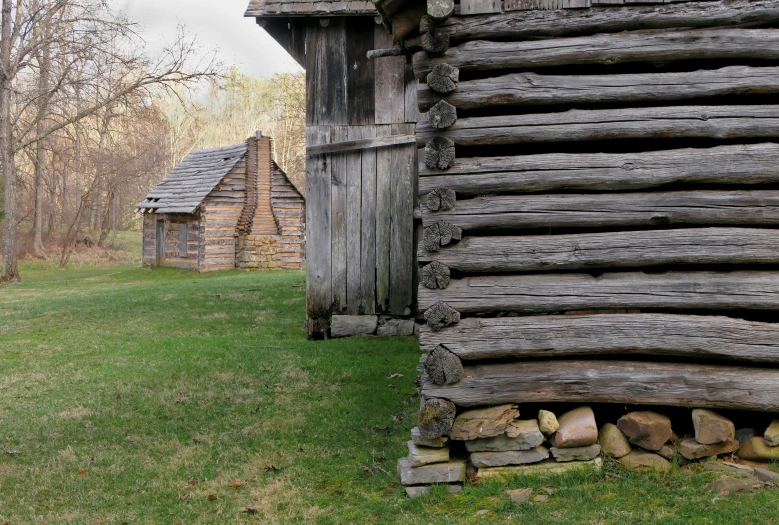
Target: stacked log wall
[(174, 242), (219, 216), (606, 231)]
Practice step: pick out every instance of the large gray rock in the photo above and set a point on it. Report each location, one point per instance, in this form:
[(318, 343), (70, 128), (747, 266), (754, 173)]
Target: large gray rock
[(483, 422), (728, 485), (613, 442), (771, 435), (648, 430), (413, 492), (763, 474), (547, 422), (643, 460), (711, 427), (691, 449), (520, 435), (575, 454), (577, 429), (450, 472), (419, 456), (346, 325), (421, 441), (510, 457), (543, 468), (520, 495), (731, 469)]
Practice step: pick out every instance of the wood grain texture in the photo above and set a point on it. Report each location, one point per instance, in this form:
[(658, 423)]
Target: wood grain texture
[(319, 296), (368, 228), (475, 7), (390, 72), (570, 336), (354, 300), (662, 46), (338, 206), (607, 210), (402, 224), (737, 164), (383, 220), (717, 122), (548, 293), (326, 74), (632, 249), (687, 385), (523, 25), (518, 89)]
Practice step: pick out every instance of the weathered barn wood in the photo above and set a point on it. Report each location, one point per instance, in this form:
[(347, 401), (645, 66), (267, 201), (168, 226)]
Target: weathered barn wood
[(530, 88), (548, 293), (675, 384), (609, 49), (608, 250), (523, 25), (603, 210), (737, 164), (547, 336), (718, 122)]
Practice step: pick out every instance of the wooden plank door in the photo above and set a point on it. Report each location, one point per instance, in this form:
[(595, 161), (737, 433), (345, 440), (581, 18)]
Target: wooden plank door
[(160, 241)]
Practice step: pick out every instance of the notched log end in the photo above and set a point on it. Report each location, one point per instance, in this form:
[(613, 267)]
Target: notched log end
[(440, 9), (441, 199), (440, 234), (441, 315), (435, 41), (442, 115), (439, 153), (436, 418), (436, 276), (443, 78), (443, 367)]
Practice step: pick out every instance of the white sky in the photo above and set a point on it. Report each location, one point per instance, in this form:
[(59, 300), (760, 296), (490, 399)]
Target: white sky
[(217, 24)]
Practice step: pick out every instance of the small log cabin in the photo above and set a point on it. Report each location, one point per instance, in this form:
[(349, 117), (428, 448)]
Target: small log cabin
[(225, 208), (361, 169), (599, 196)]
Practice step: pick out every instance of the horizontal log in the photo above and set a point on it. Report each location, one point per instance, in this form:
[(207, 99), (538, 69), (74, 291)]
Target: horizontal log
[(352, 145), (717, 122), (607, 250), (606, 49), (738, 164), (523, 25), (569, 336), (672, 384), (548, 293), (518, 89), (710, 208)]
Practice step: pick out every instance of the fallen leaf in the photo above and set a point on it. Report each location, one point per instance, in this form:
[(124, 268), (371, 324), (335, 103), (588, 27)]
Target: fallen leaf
[(279, 454), (271, 468), (395, 376), (211, 497), (192, 483), (397, 420), (250, 510), (11, 453), (196, 441), (186, 496), (234, 484), (82, 472), (481, 512)]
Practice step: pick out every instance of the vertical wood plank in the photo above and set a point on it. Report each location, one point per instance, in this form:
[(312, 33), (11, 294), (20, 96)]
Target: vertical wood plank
[(475, 7), (318, 259), (360, 87), (353, 229), (339, 205), (412, 108), (383, 218), (326, 73), (390, 99), (368, 226), (402, 225)]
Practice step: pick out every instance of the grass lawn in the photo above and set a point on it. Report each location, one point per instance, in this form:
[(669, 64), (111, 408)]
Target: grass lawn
[(130, 395)]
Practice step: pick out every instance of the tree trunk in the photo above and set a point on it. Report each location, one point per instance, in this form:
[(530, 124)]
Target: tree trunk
[(40, 150), (10, 269)]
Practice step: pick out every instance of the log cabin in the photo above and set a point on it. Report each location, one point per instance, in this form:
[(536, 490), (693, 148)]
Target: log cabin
[(361, 166), (225, 208)]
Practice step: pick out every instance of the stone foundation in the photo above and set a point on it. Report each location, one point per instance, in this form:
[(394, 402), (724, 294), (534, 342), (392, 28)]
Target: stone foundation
[(268, 252)]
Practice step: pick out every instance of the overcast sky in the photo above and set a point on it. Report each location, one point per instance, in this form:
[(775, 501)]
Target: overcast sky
[(218, 24)]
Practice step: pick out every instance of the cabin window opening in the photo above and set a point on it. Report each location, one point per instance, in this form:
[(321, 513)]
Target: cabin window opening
[(183, 240)]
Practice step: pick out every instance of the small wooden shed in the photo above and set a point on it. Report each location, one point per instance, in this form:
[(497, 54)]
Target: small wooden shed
[(361, 169), (225, 208)]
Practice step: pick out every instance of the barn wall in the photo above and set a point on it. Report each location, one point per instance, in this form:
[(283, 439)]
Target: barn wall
[(360, 226), (220, 212), (596, 174)]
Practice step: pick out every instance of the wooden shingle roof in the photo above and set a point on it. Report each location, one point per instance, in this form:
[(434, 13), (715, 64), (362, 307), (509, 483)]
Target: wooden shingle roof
[(261, 8), (184, 189)]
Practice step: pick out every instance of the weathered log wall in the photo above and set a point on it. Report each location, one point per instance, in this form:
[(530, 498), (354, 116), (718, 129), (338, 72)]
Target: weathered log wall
[(599, 201)]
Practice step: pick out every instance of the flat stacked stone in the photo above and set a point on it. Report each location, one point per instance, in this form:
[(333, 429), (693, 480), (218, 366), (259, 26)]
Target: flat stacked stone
[(418, 456), (692, 449), (711, 428), (520, 435), (483, 422), (643, 460), (575, 453), (545, 467), (420, 440), (756, 449), (449, 472), (648, 430), (509, 457), (771, 435)]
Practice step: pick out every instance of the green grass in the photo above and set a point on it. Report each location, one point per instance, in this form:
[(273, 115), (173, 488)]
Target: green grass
[(133, 395)]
